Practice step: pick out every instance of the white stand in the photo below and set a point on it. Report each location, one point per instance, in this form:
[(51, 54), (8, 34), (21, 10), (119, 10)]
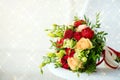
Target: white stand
[(102, 73)]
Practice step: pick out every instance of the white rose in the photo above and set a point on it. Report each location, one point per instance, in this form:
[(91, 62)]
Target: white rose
[(81, 27)]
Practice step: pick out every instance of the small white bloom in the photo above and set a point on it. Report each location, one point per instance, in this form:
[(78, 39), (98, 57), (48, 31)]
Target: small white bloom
[(81, 27)]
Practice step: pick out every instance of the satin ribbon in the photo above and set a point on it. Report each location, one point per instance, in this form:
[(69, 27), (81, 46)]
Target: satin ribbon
[(108, 56)]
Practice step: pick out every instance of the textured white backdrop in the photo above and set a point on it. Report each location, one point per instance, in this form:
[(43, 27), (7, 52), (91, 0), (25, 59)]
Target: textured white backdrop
[(22, 37), (110, 19), (23, 40)]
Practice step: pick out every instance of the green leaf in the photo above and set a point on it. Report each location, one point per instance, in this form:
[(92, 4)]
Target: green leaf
[(42, 64), (57, 64), (51, 34), (41, 71), (78, 74), (60, 54), (53, 43), (51, 55), (76, 18), (117, 59), (85, 17), (88, 22)]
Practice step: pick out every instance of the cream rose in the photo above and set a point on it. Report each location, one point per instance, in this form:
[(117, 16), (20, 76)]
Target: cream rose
[(80, 28), (74, 63), (83, 43)]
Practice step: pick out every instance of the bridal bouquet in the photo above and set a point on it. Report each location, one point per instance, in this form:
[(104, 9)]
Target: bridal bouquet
[(76, 47)]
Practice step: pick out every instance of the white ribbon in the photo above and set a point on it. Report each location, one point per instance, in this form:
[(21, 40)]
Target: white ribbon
[(110, 57)]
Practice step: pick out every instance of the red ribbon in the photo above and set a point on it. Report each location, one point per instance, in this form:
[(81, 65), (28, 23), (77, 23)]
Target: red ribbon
[(103, 58), (116, 52)]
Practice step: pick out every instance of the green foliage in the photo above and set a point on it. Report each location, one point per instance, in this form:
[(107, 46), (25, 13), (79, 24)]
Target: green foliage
[(118, 59), (91, 68), (88, 22), (53, 43), (57, 64), (76, 18), (58, 30), (50, 58), (82, 54), (69, 43), (60, 54), (98, 43)]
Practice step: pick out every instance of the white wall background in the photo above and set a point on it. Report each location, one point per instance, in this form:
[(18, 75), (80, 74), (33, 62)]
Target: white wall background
[(23, 40), (110, 19), (22, 37)]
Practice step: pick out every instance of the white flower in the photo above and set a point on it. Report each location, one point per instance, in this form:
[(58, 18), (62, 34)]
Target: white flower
[(81, 27)]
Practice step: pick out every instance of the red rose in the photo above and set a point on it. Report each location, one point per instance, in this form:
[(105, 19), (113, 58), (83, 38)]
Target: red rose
[(72, 53), (87, 33), (79, 22), (64, 62), (65, 66), (59, 43), (68, 34), (77, 36), (64, 59), (67, 50)]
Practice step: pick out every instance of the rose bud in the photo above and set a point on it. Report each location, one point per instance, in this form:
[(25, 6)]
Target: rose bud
[(79, 22)]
